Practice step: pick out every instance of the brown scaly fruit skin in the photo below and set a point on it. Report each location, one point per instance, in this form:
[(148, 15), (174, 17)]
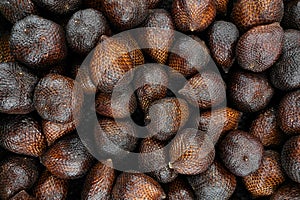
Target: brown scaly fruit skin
[(290, 158), (135, 11), (81, 74), (179, 189), (191, 152), (194, 55), (95, 4), (22, 195), (84, 30), (17, 173), (291, 40), (217, 122), (247, 14), (166, 117), (266, 128), (204, 90), (241, 153), (137, 186), (59, 7), (223, 37), (22, 134), (291, 18), (289, 191), (221, 6), (58, 98), (260, 47), (67, 158), (133, 48), (5, 52), (265, 180), (193, 15), (215, 183), (157, 160), (50, 187), (99, 182), (249, 92), (289, 112), (153, 3), (15, 10), (38, 42), (16, 89)]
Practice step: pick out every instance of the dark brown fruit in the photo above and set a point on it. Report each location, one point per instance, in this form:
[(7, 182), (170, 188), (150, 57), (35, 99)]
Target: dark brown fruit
[(22, 134), (289, 113), (285, 75), (289, 191), (5, 52), (16, 174), (38, 42), (84, 30), (22, 195), (247, 14), (125, 14), (53, 131), (16, 89), (81, 74), (290, 161), (99, 182), (189, 55), (160, 37), (59, 7), (115, 139), (153, 3), (67, 158), (191, 152), (266, 128), (119, 105), (137, 186), (58, 98), (241, 153), (152, 84), (193, 15), (179, 189), (15, 10), (215, 183), (50, 187), (267, 178), (291, 39), (153, 155), (110, 63), (221, 6), (291, 18), (223, 37), (217, 122), (204, 90), (249, 92), (260, 47), (95, 4), (166, 117)]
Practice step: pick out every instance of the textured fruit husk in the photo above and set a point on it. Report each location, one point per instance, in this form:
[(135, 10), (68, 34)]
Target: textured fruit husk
[(81, 74), (22, 195), (5, 52), (59, 7), (179, 189), (287, 191), (291, 18), (291, 39)]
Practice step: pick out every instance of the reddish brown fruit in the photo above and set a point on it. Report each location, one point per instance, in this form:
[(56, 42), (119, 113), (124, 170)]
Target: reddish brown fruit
[(137, 186), (50, 187), (22, 195), (289, 191), (249, 92), (267, 178), (59, 7), (16, 174), (67, 158), (204, 90), (291, 39), (22, 134), (99, 182), (81, 74), (58, 98), (223, 37), (166, 117), (191, 152), (221, 6), (5, 51), (153, 3), (125, 14), (15, 10), (193, 15), (291, 18), (38, 42), (179, 189), (260, 47), (241, 153), (158, 160), (247, 14), (265, 127), (189, 55), (289, 113), (16, 89), (215, 183), (290, 158)]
